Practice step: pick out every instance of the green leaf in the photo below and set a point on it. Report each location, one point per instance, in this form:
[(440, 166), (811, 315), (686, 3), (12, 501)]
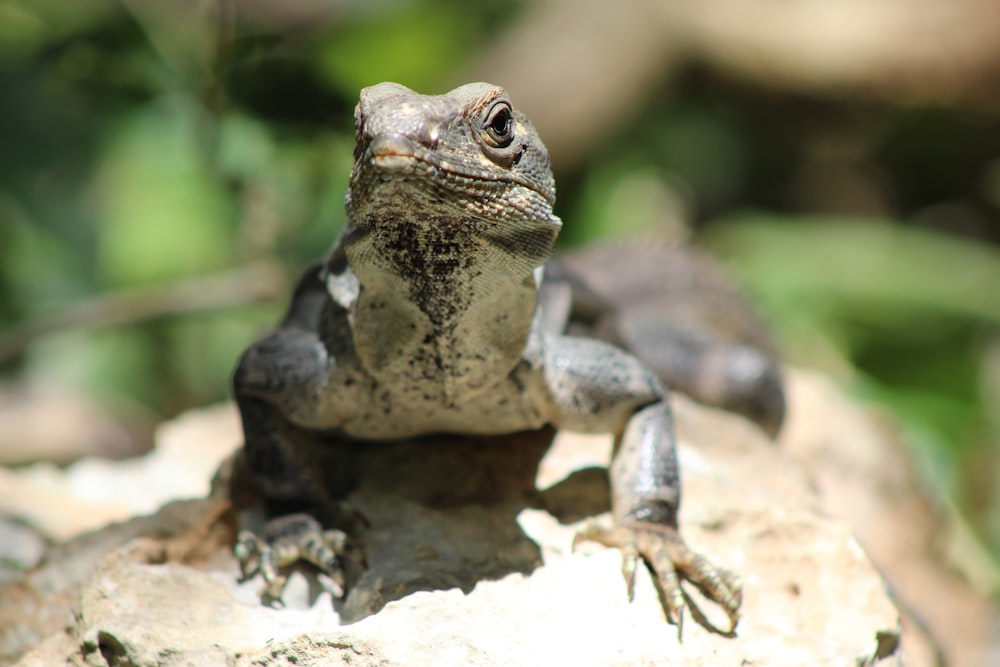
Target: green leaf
[(417, 44), (162, 212)]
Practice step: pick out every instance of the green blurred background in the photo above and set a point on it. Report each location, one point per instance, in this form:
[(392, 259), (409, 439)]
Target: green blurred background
[(167, 167)]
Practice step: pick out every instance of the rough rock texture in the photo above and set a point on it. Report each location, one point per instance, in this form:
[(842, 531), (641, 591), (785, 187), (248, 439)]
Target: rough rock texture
[(470, 564), (29, 434), (93, 492), (863, 473), (572, 613)]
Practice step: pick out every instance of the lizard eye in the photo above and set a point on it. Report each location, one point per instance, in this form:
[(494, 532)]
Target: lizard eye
[(499, 125)]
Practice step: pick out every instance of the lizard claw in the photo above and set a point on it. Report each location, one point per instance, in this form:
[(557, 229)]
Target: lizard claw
[(288, 539), (630, 558), (670, 560)]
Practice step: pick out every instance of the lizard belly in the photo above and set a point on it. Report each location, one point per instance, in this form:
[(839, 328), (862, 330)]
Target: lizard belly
[(425, 358), (406, 410), (406, 376)]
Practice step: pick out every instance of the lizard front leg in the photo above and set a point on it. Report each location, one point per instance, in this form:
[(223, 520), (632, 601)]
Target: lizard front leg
[(296, 472), (285, 464), (645, 499), (598, 388)]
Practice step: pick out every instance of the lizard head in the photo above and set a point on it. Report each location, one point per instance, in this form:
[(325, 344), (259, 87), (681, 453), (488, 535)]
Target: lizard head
[(468, 152)]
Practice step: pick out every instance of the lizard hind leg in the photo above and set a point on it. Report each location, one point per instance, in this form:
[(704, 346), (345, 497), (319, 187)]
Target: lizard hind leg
[(731, 375), (677, 310)]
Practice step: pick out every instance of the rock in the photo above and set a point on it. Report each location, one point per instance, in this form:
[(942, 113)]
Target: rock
[(46, 599), (863, 473), (29, 433), (134, 613), (92, 492), (470, 563), (21, 548)]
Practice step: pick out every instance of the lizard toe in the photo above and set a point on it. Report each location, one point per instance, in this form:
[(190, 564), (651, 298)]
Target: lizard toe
[(670, 560), (288, 539)]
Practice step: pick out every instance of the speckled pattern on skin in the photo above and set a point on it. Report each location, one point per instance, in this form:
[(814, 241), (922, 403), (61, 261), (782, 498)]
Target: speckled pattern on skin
[(425, 318)]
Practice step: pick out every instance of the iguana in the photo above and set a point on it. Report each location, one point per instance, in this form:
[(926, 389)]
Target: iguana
[(434, 313)]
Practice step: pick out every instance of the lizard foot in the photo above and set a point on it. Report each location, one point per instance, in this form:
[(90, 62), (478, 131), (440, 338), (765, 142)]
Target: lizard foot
[(669, 560), (291, 538)]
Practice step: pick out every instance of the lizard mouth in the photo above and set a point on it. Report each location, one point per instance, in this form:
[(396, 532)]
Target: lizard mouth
[(393, 154)]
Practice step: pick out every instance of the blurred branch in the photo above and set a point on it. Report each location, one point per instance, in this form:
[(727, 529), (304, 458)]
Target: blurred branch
[(181, 33), (256, 282), (933, 51)]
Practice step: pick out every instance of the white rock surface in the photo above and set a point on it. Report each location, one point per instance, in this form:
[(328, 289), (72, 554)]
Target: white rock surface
[(93, 492), (468, 565)]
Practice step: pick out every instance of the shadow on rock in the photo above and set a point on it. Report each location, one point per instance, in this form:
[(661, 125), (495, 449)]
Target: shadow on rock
[(443, 514)]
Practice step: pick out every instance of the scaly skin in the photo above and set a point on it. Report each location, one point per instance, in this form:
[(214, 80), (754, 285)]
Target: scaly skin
[(425, 318)]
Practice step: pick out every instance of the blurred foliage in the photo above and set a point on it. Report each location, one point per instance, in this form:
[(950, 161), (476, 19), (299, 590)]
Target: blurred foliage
[(148, 142), (913, 313)]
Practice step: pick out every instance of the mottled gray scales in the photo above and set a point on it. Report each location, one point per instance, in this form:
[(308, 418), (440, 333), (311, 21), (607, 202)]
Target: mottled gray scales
[(426, 317)]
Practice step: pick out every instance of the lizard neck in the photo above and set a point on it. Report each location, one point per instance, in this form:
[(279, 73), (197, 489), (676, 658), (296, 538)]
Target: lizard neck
[(444, 300)]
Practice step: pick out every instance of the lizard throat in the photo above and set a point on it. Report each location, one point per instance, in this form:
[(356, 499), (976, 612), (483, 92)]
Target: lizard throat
[(451, 296)]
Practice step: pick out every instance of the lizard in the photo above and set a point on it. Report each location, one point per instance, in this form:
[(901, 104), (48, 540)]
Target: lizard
[(435, 312)]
